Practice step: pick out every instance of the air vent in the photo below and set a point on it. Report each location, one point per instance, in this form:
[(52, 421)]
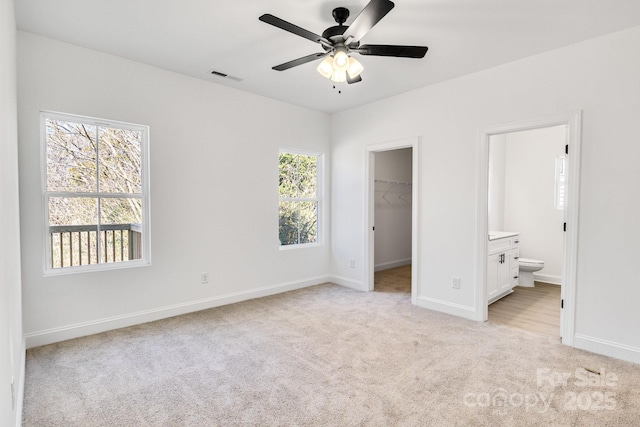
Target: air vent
[(226, 76)]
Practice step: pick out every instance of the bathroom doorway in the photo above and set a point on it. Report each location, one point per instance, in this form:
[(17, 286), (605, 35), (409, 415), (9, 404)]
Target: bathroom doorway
[(526, 196), (569, 124)]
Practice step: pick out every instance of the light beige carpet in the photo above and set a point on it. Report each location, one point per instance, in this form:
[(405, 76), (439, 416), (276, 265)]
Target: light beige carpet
[(325, 356)]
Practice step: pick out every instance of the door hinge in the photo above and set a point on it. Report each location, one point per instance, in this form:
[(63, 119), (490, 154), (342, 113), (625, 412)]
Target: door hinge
[(564, 227), (561, 303), (566, 149)]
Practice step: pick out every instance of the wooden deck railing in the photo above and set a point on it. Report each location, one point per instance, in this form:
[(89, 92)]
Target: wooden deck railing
[(78, 244)]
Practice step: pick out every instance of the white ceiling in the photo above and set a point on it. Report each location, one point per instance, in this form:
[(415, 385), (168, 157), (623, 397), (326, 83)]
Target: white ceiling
[(194, 37)]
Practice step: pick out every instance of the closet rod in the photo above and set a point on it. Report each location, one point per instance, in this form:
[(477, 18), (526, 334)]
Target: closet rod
[(387, 181)]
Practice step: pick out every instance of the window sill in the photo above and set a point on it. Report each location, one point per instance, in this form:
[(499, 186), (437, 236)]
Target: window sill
[(95, 267), (299, 246)]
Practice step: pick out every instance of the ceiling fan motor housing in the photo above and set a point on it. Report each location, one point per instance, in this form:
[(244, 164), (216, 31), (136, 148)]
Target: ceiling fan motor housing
[(340, 14), (337, 30)]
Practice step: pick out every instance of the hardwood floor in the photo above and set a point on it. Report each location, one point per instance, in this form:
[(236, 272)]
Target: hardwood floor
[(535, 309), (393, 280)]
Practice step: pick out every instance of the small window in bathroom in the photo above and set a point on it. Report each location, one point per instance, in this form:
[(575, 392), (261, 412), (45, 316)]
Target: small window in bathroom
[(560, 183)]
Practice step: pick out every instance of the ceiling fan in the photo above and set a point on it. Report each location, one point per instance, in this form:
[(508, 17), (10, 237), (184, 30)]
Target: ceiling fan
[(340, 41)]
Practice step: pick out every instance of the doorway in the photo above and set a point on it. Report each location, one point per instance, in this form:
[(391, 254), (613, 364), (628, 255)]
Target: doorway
[(392, 217), (571, 121), (527, 188), (392, 188)]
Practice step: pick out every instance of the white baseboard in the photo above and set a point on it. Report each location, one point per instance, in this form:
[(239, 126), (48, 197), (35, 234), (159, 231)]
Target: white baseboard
[(391, 264), (607, 348), (447, 307), (548, 278), (350, 283), (49, 336)]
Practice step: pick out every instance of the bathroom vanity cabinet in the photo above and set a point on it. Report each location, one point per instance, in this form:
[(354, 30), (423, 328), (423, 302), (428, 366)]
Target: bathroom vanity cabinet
[(502, 264)]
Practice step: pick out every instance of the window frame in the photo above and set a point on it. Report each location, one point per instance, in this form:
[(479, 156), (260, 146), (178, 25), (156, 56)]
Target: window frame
[(45, 194), (319, 199)]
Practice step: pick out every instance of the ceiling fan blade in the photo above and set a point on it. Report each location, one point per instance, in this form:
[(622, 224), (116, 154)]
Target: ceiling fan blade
[(351, 81), (287, 26), (393, 50), (370, 16), (300, 61)]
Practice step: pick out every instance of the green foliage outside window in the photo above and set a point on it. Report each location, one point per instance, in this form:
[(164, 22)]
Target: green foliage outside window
[(298, 186)]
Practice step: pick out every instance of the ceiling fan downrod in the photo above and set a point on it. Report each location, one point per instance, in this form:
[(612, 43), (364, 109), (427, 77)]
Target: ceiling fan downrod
[(340, 14)]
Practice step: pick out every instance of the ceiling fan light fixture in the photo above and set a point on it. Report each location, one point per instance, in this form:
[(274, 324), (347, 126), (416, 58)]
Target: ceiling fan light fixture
[(326, 67), (340, 60), (339, 76), (355, 68)]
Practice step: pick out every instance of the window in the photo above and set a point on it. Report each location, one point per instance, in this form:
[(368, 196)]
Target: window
[(299, 198), (96, 196), (560, 183)]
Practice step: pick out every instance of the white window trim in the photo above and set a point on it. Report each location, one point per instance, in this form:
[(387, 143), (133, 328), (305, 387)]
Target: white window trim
[(319, 198), (145, 196)]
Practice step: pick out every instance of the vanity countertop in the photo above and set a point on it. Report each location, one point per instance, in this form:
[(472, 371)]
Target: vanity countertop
[(493, 235)]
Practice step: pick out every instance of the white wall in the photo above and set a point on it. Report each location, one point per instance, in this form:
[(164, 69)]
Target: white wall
[(598, 77), (392, 208), (11, 342), (529, 197), (497, 170), (214, 191)]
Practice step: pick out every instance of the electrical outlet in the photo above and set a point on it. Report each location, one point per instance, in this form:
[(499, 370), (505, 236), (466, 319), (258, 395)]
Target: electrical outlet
[(204, 278), (352, 263), (455, 281)]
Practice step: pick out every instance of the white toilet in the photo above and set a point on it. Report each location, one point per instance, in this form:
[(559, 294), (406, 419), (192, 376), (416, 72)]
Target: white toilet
[(527, 267)]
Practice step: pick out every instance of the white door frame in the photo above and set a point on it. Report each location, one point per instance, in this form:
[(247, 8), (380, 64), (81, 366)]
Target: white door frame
[(572, 120), (369, 238)]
